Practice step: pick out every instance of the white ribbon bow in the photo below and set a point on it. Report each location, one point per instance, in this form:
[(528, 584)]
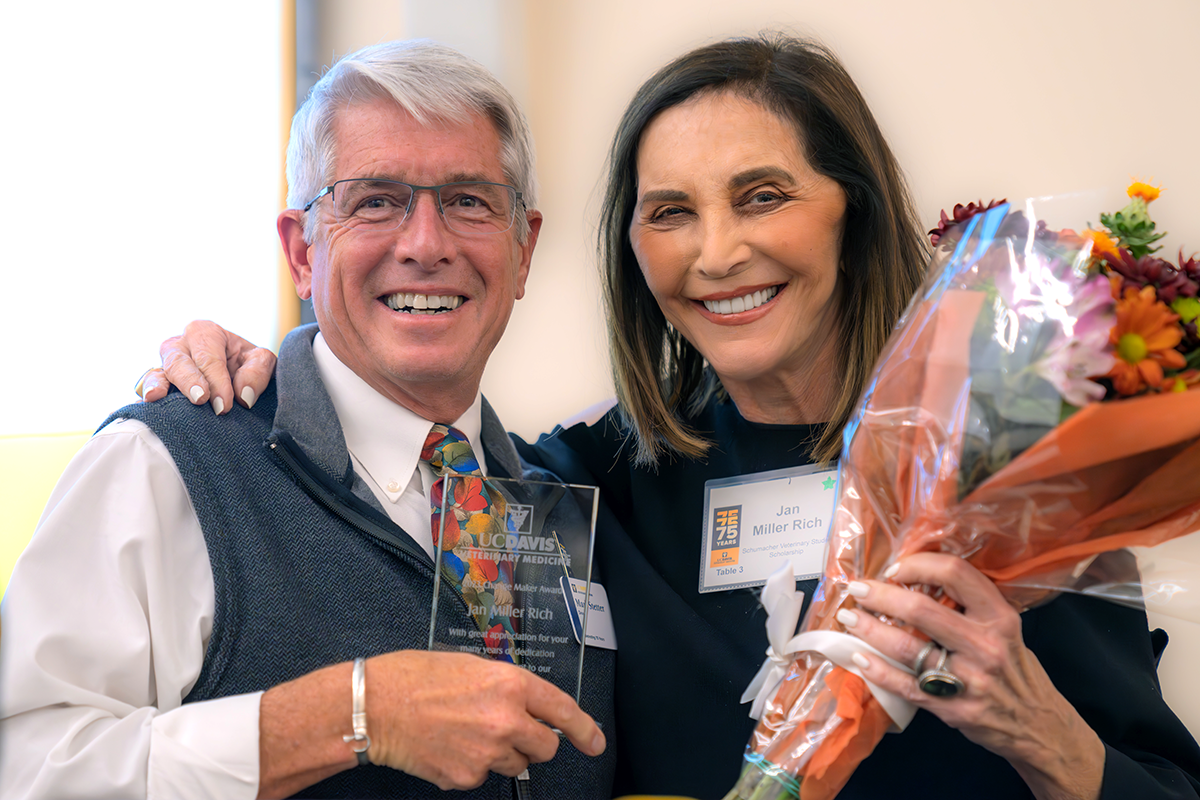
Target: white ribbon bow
[(783, 604)]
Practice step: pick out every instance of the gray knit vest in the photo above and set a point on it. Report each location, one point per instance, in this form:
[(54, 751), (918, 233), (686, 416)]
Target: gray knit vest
[(309, 571)]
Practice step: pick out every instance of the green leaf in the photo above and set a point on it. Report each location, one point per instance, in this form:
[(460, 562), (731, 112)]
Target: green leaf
[(1134, 230), (1188, 308)]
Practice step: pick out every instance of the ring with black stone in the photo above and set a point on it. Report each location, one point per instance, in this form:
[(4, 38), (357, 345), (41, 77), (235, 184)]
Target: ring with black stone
[(939, 681)]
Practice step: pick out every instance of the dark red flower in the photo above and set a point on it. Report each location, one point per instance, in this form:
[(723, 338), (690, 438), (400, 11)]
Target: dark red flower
[(961, 213), (1168, 281), (1190, 267)]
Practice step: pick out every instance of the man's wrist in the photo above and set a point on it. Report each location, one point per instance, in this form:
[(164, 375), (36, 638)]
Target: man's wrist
[(301, 725)]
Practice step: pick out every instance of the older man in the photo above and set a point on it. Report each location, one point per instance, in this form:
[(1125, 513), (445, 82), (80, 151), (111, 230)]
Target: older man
[(185, 620)]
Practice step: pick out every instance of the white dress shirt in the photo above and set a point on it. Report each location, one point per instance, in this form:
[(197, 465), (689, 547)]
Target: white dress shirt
[(109, 610), (385, 440)]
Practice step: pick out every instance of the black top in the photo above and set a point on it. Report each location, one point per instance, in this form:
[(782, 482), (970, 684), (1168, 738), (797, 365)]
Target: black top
[(685, 658)]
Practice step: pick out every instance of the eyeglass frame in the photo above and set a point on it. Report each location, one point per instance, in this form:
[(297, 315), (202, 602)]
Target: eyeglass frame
[(518, 196)]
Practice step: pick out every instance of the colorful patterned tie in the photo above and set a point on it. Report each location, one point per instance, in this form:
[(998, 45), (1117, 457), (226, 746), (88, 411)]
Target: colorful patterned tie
[(482, 571)]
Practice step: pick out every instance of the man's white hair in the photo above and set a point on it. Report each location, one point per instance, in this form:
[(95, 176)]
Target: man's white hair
[(428, 80)]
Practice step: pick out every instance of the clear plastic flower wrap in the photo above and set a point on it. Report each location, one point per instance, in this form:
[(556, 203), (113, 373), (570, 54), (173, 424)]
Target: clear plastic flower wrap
[(980, 435)]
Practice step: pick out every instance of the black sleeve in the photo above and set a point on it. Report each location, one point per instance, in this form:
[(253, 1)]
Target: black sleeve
[(1100, 657), (589, 454), (1148, 777)]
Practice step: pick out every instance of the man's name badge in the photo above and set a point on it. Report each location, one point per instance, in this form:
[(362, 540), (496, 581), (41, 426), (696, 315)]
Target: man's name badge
[(600, 632), (753, 523)]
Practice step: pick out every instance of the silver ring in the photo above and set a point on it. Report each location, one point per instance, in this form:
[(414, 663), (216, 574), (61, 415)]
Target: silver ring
[(919, 664), (939, 681)]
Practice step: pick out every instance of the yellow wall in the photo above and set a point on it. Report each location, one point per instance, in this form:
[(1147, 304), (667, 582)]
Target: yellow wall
[(29, 468)]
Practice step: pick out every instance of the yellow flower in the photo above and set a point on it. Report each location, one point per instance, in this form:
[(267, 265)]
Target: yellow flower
[(1144, 190), (1144, 338)]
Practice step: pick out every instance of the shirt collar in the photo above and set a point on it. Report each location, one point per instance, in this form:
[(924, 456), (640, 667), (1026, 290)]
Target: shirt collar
[(384, 436)]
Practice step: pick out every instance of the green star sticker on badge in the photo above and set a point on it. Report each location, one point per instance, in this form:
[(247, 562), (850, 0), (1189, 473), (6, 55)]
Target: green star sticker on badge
[(828, 482)]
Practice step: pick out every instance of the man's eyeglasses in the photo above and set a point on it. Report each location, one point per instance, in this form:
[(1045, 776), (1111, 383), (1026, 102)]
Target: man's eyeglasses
[(380, 205)]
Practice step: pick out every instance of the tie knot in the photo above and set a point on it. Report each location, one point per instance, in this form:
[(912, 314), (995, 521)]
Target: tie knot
[(446, 446)]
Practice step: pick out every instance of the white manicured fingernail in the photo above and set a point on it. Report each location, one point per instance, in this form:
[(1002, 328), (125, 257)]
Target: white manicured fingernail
[(248, 397), (858, 589), (860, 660), (196, 392), (218, 405), (847, 617), (891, 571)]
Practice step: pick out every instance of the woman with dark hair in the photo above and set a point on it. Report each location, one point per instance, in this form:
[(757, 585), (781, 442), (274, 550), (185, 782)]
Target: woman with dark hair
[(657, 371), (758, 246)]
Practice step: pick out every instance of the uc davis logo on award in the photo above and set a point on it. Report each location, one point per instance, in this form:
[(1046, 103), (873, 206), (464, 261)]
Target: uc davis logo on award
[(520, 518), (726, 535)]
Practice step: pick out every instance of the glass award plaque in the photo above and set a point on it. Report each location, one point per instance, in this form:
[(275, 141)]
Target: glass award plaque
[(512, 573)]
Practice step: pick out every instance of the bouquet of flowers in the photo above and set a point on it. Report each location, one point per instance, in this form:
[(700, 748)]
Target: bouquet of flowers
[(1038, 405)]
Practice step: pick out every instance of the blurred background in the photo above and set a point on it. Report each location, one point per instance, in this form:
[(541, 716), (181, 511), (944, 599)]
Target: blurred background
[(163, 125)]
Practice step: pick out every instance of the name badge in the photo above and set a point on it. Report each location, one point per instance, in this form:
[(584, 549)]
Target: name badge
[(753, 523), (600, 631)]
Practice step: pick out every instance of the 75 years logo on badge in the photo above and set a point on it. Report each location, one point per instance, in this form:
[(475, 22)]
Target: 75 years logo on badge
[(726, 535)]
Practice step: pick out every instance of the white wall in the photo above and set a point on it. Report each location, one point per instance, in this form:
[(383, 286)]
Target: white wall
[(978, 100), (140, 153)]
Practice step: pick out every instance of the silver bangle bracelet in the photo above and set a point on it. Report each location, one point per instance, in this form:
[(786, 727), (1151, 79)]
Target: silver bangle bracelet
[(358, 716)]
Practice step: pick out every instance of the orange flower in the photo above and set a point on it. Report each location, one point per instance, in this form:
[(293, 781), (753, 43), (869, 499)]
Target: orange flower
[(1144, 190), (1103, 245), (1069, 237), (1144, 338)]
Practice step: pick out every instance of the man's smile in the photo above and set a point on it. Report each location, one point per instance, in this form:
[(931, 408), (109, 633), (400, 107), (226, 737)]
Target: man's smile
[(411, 303)]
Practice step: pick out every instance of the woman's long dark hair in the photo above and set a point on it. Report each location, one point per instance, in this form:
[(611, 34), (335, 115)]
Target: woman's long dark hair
[(661, 379)]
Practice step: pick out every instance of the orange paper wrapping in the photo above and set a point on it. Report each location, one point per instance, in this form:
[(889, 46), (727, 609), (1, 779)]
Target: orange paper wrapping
[(1112, 475)]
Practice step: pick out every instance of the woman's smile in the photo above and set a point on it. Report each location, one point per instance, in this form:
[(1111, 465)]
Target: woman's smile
[(740, 307)]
